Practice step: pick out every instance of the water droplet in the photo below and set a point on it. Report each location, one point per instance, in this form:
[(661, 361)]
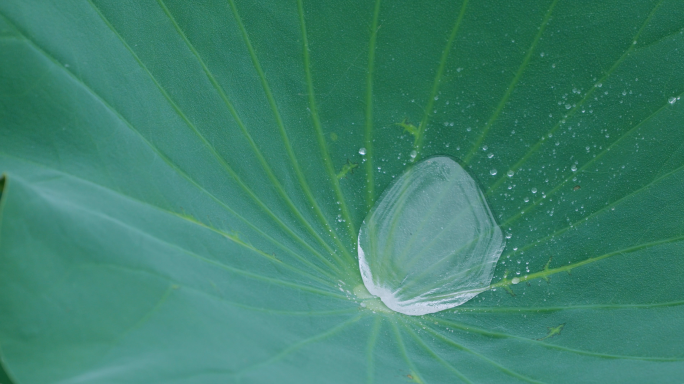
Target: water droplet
[(534, 190), (362, 151), (423, 247), (484, 148), (492, 171), (490, 155), (413, 154), (573, 168), (515, 280), (672, 100), (510, 173)]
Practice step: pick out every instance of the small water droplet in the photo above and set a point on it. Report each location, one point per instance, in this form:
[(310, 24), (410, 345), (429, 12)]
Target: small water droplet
[(510, 173), (362, 151), (490, 155), (515, 280), (492, 172), (534, 190), (672, 100), (573, 168), (413, 154)]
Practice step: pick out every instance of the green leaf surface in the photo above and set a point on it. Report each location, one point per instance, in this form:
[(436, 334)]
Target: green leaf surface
[(183, 188)]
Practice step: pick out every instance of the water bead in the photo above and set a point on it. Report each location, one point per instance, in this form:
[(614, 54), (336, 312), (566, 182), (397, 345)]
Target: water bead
[(430, 242)]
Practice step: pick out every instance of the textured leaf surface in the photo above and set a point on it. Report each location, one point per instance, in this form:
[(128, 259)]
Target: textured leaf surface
[(184, 188)]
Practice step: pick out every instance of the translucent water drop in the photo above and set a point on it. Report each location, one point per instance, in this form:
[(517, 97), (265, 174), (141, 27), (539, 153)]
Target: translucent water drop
[(430, 242), (573, 168), (510, 173), (413, 154), (534, 190), (362, 151), (515, 280), (672, 100), (492, 171)]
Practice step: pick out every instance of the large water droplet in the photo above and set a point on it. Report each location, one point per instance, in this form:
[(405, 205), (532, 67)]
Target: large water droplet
[(430, 242), (362, 151)]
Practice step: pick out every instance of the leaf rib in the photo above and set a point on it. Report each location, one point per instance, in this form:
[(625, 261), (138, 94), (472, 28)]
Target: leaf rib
[(262, 161), (418, 146), (535, 203), (223, 163), (402, 349), (151, 146), (435, 355), (368, 131), (325, 154), (596, 213), (144, 319), (512, 85), (570, 307), (196, 222), (515, 167), (552, 271), (255, 276), (478, 355), (370, 361), (288, 147), (229, 302), (470, 329), (302, 343)]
